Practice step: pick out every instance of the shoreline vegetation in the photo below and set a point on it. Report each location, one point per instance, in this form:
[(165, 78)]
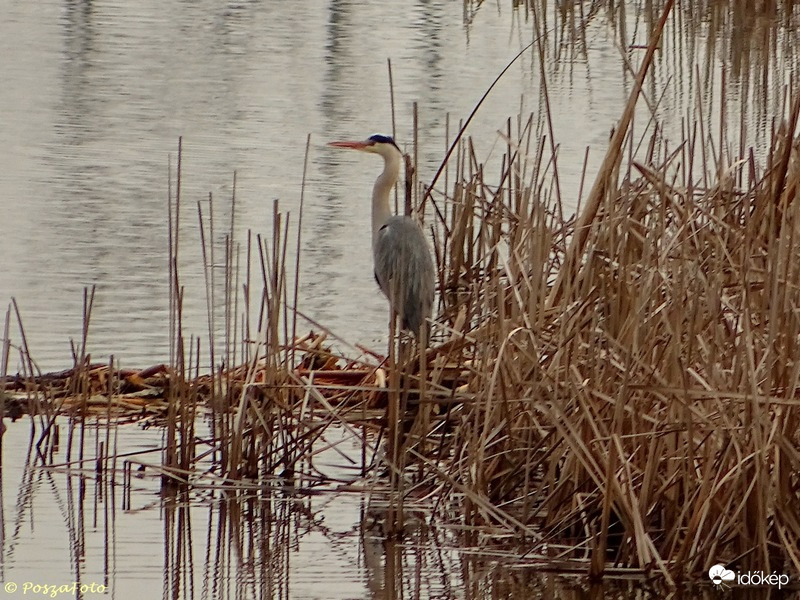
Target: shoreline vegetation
[(614, 394)]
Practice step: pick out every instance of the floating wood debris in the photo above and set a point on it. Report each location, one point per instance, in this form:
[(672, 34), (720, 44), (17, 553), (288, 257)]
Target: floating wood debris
[(95, 389)]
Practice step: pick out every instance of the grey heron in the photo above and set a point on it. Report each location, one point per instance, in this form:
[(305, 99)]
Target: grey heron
[(403, 265)]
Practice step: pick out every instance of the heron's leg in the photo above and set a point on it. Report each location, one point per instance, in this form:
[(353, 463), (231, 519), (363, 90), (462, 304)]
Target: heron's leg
[(394, 515), (414, 372), (425, 407)]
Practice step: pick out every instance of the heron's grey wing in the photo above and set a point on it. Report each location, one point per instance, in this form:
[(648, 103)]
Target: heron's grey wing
[(404, 270)]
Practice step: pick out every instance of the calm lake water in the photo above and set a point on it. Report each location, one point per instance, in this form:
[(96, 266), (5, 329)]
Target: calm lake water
[(96, 94), (62, 525), (94, 97)]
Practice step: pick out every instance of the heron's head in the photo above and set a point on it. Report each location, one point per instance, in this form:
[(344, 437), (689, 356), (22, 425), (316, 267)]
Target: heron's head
[(376, 144)]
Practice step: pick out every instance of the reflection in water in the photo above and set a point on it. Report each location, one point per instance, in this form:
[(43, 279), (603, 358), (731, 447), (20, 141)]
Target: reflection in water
[(68, 517)]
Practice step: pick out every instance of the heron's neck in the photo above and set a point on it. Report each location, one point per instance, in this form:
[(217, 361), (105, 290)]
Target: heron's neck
[(382, 192)]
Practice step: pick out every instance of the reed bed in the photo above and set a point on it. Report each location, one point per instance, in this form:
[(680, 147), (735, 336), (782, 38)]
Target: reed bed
[(632, 383), (628, 381), (632, 387)]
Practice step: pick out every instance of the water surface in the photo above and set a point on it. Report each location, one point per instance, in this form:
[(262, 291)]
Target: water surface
[(96, 94), (63, 524)]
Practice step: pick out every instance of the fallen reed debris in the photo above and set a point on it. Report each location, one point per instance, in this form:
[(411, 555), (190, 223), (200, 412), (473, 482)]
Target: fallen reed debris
[(144, 393)]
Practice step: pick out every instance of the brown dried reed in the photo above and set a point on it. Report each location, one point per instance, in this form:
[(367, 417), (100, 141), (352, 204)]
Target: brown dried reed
[(631, 380)]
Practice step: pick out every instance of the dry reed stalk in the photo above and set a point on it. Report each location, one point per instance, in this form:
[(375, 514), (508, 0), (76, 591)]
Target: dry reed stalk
[(610, 164), (650, 415)]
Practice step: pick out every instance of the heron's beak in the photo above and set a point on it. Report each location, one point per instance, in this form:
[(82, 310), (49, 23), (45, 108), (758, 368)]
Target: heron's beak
[(350, 145)]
